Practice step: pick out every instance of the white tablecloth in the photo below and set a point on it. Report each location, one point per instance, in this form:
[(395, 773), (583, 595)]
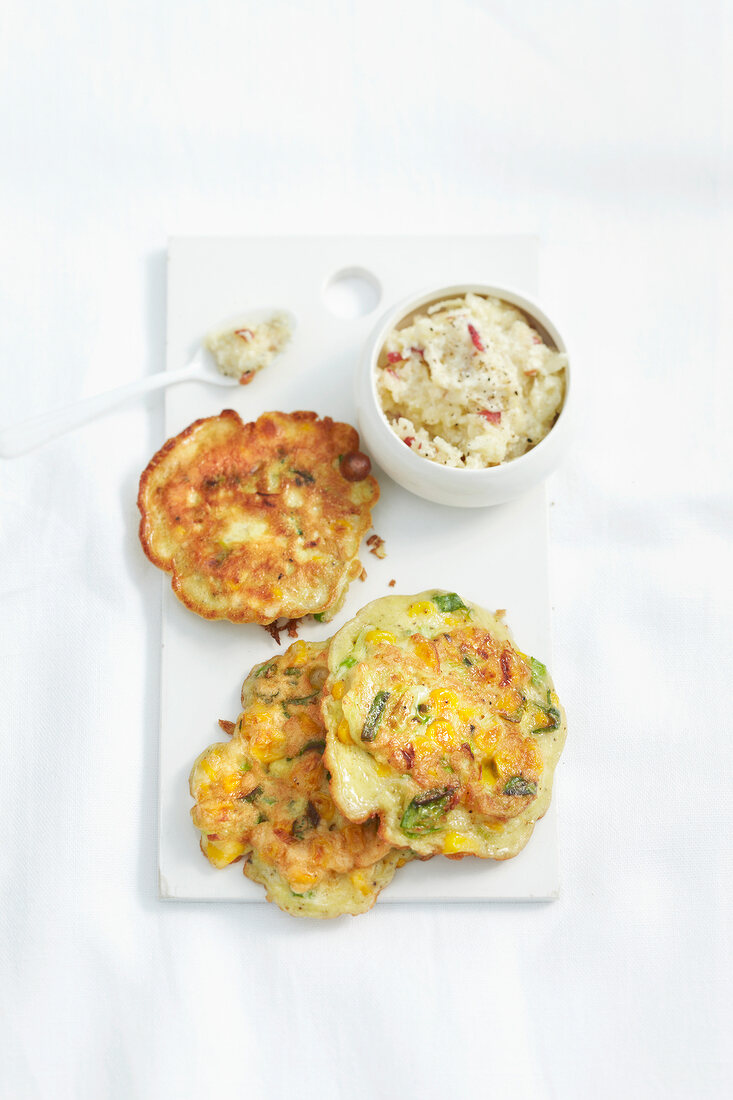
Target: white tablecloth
[(604, 128)]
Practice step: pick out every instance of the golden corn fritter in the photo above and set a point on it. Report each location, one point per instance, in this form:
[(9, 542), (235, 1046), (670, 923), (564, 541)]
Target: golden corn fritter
[(265, 795), (256, 521), (436, 722)]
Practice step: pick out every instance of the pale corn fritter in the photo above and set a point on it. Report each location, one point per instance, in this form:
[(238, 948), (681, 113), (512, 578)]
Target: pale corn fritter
[(441, 726)]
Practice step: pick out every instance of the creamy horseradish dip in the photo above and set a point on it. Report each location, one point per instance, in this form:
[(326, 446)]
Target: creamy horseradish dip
[(467, 382), (240, 352)]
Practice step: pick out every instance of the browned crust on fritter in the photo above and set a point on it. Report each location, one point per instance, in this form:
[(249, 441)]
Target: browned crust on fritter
[(276, 478), (286, 816), (147, 475)]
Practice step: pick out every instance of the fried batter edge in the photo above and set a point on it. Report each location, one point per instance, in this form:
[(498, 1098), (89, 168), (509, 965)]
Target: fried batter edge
[(150, 469)]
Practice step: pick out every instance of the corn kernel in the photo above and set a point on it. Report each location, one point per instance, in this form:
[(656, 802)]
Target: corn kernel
[(456, 842), (423, 745), (343, 732), (268, 745), (509, 701), (443, 733), (222, 852), (257, 717), (207, 769), (303, 879), (422, 607), (307, 725), (504, 763), (383, 770), (325, 807), (361, 882), (426, 652), (380, 637), (487, 737), (338, 690), (211, 761), (297, 654), (443, 699), (230, 783), (489, 772)]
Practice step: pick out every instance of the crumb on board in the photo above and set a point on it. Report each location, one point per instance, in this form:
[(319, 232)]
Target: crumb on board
[(275, 629), (392, 583), (376, 546), (227, 726), (363, 574)]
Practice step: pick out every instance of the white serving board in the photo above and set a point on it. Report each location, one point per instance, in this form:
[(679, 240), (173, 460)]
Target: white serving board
[(496, 557)]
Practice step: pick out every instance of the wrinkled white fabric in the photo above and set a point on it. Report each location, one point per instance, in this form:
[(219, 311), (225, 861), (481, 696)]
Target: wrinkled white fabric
[(606, 130)]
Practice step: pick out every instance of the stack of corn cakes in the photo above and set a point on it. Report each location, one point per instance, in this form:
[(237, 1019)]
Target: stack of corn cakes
[(419, 729)]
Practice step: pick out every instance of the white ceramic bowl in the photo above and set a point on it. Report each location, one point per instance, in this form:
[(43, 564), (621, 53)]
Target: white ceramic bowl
[(444, 484)]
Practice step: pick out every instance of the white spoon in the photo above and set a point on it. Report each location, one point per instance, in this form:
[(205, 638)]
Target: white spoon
[(17, 439)]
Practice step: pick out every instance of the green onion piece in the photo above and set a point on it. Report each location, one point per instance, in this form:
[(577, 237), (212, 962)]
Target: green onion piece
[(303, 701), (539, 671), (319, 619), (264, 671), (304, 474), (551, 713), (245, 766), (348, 662), (423, 814), (266, 698), (519, 786), (450, 601), (301, 825), (374, 715), (422, 713), (252, 795)]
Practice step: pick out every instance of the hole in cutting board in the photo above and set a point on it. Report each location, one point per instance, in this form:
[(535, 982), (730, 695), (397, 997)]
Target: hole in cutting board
[(352, 292)]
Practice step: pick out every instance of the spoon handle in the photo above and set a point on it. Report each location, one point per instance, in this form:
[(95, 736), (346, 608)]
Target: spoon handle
[(17, 439)]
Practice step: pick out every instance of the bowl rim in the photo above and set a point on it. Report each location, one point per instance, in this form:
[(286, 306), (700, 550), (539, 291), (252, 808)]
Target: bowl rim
[(512, 296)]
